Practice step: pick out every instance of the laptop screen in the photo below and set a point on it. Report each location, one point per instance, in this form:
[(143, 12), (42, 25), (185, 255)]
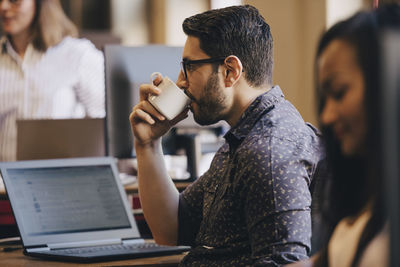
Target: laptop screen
[(68, 199), (62, 200)]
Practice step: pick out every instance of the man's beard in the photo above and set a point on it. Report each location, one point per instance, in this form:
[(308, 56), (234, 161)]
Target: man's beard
[(211, 105)]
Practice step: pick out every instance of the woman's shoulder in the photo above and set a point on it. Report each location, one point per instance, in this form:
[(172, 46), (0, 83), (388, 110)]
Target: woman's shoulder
[(377, 251), (77, 45), (75, 49), (343, 243)]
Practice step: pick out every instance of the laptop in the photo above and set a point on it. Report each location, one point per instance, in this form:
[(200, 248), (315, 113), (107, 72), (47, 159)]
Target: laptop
[(60, 138), (75, 210)]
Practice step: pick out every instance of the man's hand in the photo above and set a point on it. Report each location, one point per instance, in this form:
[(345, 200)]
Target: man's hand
[(158, 194), (147, 123)]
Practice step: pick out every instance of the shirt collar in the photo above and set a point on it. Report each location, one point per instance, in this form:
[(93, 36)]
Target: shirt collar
[(7, 48), (262, 104), (3, 43)]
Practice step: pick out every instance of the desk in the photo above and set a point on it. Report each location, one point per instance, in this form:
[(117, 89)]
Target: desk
[(16, 259)]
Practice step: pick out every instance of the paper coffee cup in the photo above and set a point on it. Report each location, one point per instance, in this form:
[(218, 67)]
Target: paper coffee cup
[(172, 100)]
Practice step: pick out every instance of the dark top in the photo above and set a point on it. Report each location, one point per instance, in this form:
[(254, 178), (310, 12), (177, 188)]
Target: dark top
[(252, 207)]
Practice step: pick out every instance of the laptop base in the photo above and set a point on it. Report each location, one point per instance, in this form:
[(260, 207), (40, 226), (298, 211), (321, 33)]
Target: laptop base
[(100, 256)]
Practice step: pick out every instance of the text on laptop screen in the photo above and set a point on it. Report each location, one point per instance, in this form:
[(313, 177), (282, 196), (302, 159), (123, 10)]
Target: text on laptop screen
[(62, 200)]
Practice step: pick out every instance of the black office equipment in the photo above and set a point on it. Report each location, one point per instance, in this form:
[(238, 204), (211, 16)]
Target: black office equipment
[(75, 210), (390, 89)]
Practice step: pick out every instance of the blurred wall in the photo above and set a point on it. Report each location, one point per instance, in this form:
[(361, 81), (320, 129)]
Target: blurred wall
[(129, 21), (336, 11), (177, 11), (296, 27), (140, 22)]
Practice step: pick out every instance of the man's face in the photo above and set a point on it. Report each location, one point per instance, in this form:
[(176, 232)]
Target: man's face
[(203, 85)]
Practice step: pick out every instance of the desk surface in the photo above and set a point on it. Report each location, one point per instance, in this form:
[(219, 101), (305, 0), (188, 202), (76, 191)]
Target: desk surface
[(17, 258)]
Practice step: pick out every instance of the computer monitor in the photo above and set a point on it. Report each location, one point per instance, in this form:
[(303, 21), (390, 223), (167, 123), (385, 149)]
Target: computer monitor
[(125, 69), (391, 136)]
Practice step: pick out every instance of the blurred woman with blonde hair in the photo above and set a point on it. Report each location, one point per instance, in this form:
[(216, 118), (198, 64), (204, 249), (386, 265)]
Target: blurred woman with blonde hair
[(45, 71)]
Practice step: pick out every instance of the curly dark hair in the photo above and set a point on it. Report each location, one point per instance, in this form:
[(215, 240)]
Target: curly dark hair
[(239, 31)]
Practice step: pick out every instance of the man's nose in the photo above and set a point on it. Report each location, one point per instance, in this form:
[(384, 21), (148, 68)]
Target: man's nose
[(182, 82)]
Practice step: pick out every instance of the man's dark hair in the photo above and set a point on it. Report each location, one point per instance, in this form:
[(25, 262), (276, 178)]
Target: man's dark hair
[(239, 31)]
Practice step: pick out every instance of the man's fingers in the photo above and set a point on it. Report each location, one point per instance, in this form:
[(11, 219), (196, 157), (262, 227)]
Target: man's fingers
[(148, 109), (148, 89), (139, 114), (157, 80)]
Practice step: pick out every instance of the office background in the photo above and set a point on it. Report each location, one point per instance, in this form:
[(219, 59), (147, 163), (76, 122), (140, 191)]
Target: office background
[(296, 27)]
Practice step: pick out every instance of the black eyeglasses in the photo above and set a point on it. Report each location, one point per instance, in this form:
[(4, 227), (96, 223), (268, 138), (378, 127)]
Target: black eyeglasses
[(186, 63)]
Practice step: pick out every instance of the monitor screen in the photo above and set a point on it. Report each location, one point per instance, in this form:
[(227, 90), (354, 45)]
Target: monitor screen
[(62, 200)]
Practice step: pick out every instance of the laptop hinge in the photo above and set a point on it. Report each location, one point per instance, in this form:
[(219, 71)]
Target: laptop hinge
[(85, 243), (37, 249), (133, 241)]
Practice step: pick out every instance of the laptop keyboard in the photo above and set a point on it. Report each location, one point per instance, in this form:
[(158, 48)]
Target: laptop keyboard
[(108, 248)]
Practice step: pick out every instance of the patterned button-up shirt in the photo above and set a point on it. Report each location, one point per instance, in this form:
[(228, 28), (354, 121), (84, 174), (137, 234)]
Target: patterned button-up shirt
[(252, 207)]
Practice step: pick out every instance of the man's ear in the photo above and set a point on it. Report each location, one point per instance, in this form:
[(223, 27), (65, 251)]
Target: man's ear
[(233, 70)]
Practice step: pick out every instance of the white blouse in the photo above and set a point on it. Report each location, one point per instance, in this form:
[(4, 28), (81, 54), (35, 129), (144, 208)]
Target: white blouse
[(66, 81), (344, 241)]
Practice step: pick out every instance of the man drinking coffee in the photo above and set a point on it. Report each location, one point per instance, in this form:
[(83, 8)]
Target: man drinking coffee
[(252, 207)]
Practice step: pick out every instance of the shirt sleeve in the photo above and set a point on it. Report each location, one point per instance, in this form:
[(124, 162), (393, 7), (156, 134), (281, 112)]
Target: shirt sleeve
[(190, 212), (90, 90), (277, 202)]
